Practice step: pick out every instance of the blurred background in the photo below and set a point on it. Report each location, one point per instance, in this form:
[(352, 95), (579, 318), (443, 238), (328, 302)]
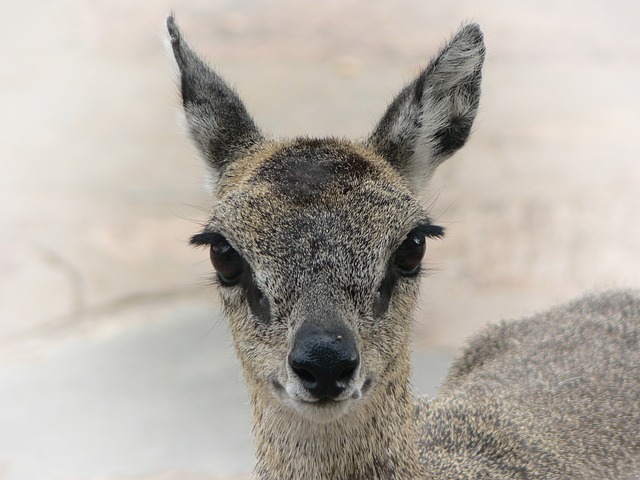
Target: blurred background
[(115, 363)]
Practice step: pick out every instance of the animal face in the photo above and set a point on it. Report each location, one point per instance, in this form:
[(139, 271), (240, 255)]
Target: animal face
[(317, 243), (315, 240)]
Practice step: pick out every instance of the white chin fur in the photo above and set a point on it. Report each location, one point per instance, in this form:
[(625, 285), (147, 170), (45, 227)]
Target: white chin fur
[(321, 412)]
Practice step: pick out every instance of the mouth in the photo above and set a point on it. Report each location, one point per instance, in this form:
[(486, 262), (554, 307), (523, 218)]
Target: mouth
[(319, 409), (324, 402)]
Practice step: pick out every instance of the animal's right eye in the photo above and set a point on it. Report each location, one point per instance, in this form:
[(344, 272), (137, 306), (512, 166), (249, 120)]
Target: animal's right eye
[(226, 261)]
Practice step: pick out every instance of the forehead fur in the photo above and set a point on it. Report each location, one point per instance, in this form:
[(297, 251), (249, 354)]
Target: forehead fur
[(307, 165), (314, 170), (297, 200), (315, 207), (325, 175)]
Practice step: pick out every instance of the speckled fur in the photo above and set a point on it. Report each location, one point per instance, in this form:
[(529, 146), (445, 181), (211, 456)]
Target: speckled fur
[(317, 222), (555, 396)]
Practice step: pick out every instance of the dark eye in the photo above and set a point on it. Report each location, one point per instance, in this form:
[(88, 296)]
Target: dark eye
[(227, 262), (409, 254)]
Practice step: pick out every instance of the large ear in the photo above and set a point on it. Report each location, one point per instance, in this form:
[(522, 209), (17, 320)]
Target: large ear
[(431, 118), (217, 119)]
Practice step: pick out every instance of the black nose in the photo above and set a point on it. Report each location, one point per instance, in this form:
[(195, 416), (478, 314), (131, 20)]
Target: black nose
[(324, 359)]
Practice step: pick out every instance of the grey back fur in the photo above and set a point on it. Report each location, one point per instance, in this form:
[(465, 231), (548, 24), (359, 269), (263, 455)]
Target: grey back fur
[(555, 396), (317, 245)]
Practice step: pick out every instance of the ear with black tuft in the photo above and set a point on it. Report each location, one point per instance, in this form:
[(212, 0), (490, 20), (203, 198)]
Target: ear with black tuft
[(218, 121), (431, 118)]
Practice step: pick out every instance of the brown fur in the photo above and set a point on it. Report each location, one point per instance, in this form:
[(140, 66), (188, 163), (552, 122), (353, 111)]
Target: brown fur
[(554, 396), (315, 228)]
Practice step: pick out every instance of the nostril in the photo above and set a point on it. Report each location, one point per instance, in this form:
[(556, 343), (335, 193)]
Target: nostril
[(304, 372), (305, 375), (346, 375)]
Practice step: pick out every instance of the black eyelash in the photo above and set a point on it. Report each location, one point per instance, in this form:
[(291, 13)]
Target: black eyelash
[(428, 230), (205, 239)]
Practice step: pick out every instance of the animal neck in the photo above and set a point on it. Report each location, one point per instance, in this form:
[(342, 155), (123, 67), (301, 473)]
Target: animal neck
[(376, 440)]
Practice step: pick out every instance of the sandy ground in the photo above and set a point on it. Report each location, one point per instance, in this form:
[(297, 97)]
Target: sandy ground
[(114, 361)]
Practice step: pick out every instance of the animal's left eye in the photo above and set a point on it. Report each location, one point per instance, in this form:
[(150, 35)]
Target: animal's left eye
[(409, 254)]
